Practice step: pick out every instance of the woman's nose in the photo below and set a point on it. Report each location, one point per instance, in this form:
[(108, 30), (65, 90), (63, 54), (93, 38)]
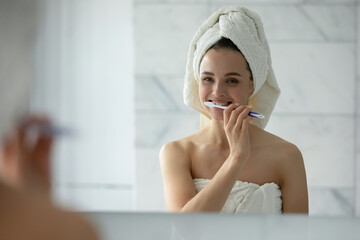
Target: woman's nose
[(219, 90)]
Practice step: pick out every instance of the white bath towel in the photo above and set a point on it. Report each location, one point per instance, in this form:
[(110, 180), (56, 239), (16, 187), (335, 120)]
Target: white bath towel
[(248, 197), (245, 29)]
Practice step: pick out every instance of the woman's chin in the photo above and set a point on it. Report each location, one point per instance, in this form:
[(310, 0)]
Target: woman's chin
[(217, 117)]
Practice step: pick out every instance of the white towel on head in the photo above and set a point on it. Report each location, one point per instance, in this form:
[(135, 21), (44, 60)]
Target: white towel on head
[(244, 28)]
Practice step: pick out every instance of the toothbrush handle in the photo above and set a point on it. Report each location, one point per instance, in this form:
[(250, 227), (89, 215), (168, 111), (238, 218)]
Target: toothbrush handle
[(256, 115)]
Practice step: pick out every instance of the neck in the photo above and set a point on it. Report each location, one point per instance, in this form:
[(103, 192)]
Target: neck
[(216, 133)]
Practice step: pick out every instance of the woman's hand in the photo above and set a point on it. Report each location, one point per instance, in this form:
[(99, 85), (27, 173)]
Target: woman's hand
[(236, 125), (25, 164), (35, 149)]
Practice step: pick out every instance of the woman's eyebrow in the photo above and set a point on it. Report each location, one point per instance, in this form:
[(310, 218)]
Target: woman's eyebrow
[(232, 73), (226, 75), (207, 73)]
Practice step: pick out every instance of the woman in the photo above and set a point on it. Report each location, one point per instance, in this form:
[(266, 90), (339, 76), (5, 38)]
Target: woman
[(231, 164)]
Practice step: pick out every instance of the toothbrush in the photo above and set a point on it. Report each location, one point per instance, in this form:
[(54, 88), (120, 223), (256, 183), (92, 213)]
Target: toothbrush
[(253, 114), (47, 130), (52, 130)]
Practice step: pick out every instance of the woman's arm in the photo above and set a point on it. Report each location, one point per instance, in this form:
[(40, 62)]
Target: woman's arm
[(179, 189), (293, 182)]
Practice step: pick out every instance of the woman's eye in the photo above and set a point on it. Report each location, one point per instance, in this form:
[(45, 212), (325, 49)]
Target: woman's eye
[(207, 79), (232, 81)]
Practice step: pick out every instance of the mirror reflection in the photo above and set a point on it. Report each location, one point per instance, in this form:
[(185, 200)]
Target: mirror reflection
[(306, 47), (112, 72)]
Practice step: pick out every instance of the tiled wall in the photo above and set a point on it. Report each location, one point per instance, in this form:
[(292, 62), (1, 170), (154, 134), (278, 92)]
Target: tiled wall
[(76, 62), (357, 116), (314, 46)]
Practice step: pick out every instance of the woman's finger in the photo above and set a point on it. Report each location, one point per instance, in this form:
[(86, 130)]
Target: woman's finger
[(234, 114), (240, 115), (227, 112), (245, 126)]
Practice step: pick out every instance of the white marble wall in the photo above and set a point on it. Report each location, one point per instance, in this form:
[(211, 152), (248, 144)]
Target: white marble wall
[(357, 119), (315, 49), (84, 67)]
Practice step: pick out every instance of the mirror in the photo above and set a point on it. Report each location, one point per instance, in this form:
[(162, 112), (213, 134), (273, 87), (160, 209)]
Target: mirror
[(113, 71), (312, 47)]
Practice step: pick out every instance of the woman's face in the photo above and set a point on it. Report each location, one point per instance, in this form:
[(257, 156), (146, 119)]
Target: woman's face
[(224, 79)]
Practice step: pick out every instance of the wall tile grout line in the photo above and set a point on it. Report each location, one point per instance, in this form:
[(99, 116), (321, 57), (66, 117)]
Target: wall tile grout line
[(168, 3), (356, 119), (268, 3), (212, 3), (87, 185), (282, 114), (315, 25)]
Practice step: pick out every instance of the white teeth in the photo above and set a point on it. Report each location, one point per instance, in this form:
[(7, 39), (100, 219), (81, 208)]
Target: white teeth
[(220, 104)]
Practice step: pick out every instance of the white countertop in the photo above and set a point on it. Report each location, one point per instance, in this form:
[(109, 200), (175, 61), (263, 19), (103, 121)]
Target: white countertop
[(128, 225)]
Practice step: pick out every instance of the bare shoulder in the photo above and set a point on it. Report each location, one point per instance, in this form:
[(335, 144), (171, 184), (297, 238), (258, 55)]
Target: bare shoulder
[(175, 164), (174, 147), (285, 155), (279, 147), (178, 149), (286, 150), (288, 153)]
